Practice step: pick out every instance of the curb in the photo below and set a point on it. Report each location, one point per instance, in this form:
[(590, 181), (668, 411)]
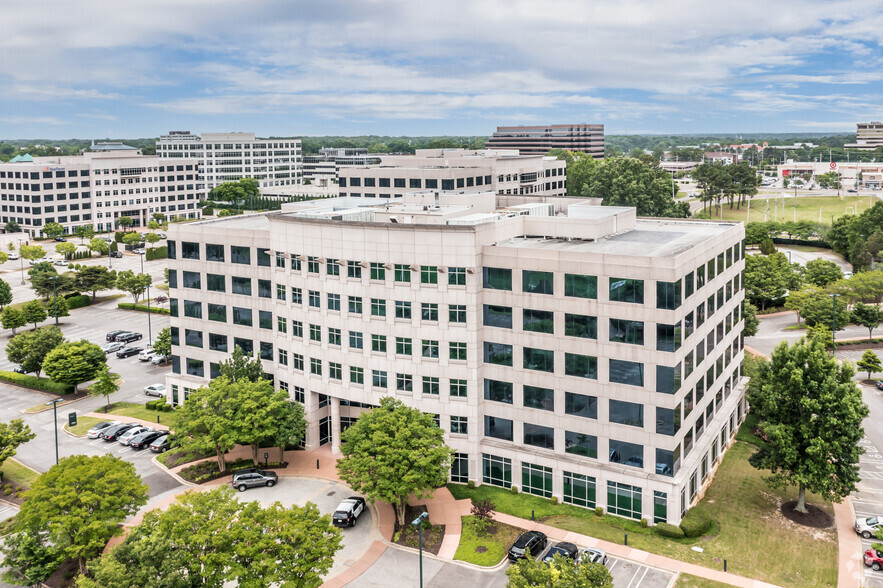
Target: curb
[(180, 480)]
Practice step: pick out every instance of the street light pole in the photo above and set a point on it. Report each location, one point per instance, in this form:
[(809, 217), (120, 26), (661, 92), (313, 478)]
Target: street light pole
[(833, 321), (54, 404), (149, 335), (21, 261), (419, 523)]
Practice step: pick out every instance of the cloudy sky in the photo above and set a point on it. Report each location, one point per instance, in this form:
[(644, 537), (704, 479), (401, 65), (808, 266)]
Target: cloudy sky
[(138, 68)]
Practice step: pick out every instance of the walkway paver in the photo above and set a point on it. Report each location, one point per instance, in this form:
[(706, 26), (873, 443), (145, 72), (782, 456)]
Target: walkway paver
[(850, 568)]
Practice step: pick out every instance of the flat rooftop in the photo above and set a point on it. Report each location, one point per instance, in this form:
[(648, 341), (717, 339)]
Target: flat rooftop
[(258, 222)]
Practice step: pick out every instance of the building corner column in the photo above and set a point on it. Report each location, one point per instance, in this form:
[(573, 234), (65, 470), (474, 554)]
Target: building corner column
[(335, 425)]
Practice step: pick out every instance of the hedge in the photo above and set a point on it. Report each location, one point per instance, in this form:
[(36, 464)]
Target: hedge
[(670, 531), (157, 253), (808, 242), (41, 383), (78, 301), (695, 523), (142, 308), (118, 236)]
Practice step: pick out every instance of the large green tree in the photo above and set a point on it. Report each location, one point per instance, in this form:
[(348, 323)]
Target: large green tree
[(810, 413), (46, 281), (95, 278), (32, 252), (207, 419), (768, 278), (99, 245), (821, 272), (263, 415), (53, 229), (624, 181), (560, 573), (12, 318), (240, 193), (869, 362), (105, 384), (84, 232), (12, 435), (29, 557), (162, 345), (752, 324), (34, 312), (581, 168), (392, 452), (134, 284), (67, 249), (867, 316), (241, 367), (81, 502), (30, 348), (5, 294), (74, 362), (820, 309), (57, 307), (124, 222)]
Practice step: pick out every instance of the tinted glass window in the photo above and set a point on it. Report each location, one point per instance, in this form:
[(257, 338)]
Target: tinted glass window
[(581, 366), (539, 321), (498, 391), (498, 316), (497, 278), (626, 290), (539, 359), (578, 325), (536, 282), (580, 444), (626, 372), (539, 436), (581, 405), (498, 353), (629, 454), (580, 286), (498, 428), (626, 413), (542, 398)]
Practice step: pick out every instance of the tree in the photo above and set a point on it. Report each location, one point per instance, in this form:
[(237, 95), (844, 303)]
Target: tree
[(162, 345), (98, 245), (67, 249), (3, 257), (206, 420), (84, 232), (153, 225), (12, 435), (820, 309), (124, 222), (134, 284), (868, 317), (581, 168), (104, 385), (241, 367), (29, 557), (392, 452), (767, 246), (869, 363), (560, 573), (264, 415), (821, 272), (57, 307), (12, 318), (5, 294), (152, 238), (767, 278), (53, 229), (46, 281), (95, 278), (32, 252), (29, 349), (81, 502), (34, 312), (74, 362), (11, 227), (624, 181), (211, 539), (810, 414), (751, 321), (132, 238), (797, 299)]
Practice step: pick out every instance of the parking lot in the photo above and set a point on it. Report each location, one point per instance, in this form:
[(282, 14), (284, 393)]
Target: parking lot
[(868, 501)]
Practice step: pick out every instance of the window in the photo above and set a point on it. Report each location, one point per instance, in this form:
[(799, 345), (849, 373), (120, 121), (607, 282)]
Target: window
[(457, 276), (627, 413), (668, 295), (626, 290), (297, 361), (403, 346), (240, 255), (404, 382), (266, 351), (265, 289), (242, 316), (536, 282), (456, 313), (581, 366), (297, 296), (378, 343), (353, 270), (315, 299), (333, 336), (538, 321), (217, 312), (265, 319), (280, 259), (498, 428), (428, 274), (281, 324), (498, 316), (497, 278), (241, 285), (315, 333), (580, 286), (332, 267), (173, 278), (295, 263), (263, 256), (700, 276), (315, 366), (668, 337), (355, 340), (498, 391), (624, 500), (334, 302), (378, 378), (579, 490), (668, 379), (189, 250), (214, 252), (378, 307), (581, 405), (578, 325), (193, 338), (378, 272), (581, 444), (457, 351), (688, 285), (217, 342), (354, 304), (297, 329), (402, 273), (430, 348), (496, 471), (191, 280), (630, 454), (312, 264), (541, 398), (626, 331), (429, 311), (626, 372), (335, 370), (458, 388), (357, 375), (539, 359), (430, 385), (660, 507), (459, 425), (193, 309), (498, 353), (536, 479), (195, 367)]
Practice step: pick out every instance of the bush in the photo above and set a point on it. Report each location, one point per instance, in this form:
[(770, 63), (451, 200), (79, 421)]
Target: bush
[(167, 408), (150, 405), (695, 523), (470, 484), (599, 512), (114, 247), (78, 301), (670, 531), (514, 489), (208, 211), (767, 247), (142, 308), (157, 253), (118, 237), (41, 383), (644, 523), (553, 499)]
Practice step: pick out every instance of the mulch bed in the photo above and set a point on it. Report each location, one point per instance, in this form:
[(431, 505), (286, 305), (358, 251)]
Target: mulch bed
[(815, 517), (206, 471), (65, 576), (11, 497), (846, 346), (409, 536)]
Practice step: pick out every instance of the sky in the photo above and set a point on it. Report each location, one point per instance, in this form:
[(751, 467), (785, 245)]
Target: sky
[(136, 68)]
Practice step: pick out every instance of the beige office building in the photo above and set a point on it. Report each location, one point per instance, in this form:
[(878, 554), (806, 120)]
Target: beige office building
[(540, 139), (567, 349), (499, 171), (867, 136)]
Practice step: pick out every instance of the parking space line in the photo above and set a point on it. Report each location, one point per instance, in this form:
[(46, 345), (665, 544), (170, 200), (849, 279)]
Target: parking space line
[(646, 569), (615, 561)]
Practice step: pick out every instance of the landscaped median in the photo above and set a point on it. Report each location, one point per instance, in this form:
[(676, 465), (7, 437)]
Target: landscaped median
[(140, 411), (485, 544), (142, 308), (36, 383)]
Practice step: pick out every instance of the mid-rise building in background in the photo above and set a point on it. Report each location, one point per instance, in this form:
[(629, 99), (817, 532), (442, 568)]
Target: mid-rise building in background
[(867, 136), (225, 157), (323, 168), (498, 171), (540, 139), (567, 349), (97, 189)]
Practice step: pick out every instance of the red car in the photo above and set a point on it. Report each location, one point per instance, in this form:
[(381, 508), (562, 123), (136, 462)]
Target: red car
[(874, 559)]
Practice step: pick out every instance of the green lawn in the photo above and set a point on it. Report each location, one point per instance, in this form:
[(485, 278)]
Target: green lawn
[(488, 548), (690, 581), (804, 208), (139, 411), (19, 473), (83, 425), (752, 535)]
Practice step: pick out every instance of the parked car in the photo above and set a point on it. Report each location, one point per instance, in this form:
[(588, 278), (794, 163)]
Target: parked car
[(60, 262), (13, 255), (128, 352), (866, 526), (161, 444), (160, 359), (108, 239), (530, 544), (129, 337), (145, 439), (592, 555), (116, 254), (251, 477), (347, 512), (139, 251), (113, 335), (146, 354), (132, 433), (873, 559), (112, 433), (879, 384), (155, 390), (162, 235), (60, 239), (113, 347), (19, 370), (565, 549), (95, 431)]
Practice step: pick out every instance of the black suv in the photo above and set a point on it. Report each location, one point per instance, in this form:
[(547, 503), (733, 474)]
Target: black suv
[(113, 335), (128, 337), (565, 549), (529, 544)]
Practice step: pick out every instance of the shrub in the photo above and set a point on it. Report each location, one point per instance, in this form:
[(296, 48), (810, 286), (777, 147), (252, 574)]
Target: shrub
[(167, 408), (118, 237), (470, 484), (695, 523), (150, 405), (41, 383), (208, 211), (599, 512), (157, 253), (514, 489), (142, 308), (7, 490), (483, 509), (670, 531), (554, 500), (644, 523), (78, 301), (767, 247)]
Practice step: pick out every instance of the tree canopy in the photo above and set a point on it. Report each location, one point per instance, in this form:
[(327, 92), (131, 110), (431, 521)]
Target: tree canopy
[(624, 181), (53, 229), (74, 362), (867, 316), (870, 363), (95, 278), (821, 272), (561, 573), (768, 278), (34, 312), (5, 294), (30, 348), (12, 435), (241, 367), (12, 318), (206, 419), (134, 284), (162, 345)]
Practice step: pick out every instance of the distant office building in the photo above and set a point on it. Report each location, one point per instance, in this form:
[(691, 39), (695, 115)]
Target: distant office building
[(867, 136), (112, 146), (722, 157), (322, 168), (855, 174), (96, 189), (539, 140), (228, 157), (500, 171)]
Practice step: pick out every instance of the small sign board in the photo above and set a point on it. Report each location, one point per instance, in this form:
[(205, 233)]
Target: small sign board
[(72, 419)]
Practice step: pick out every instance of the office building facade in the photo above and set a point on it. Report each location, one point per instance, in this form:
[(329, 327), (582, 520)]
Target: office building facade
[(540, 139), (867, 136)]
